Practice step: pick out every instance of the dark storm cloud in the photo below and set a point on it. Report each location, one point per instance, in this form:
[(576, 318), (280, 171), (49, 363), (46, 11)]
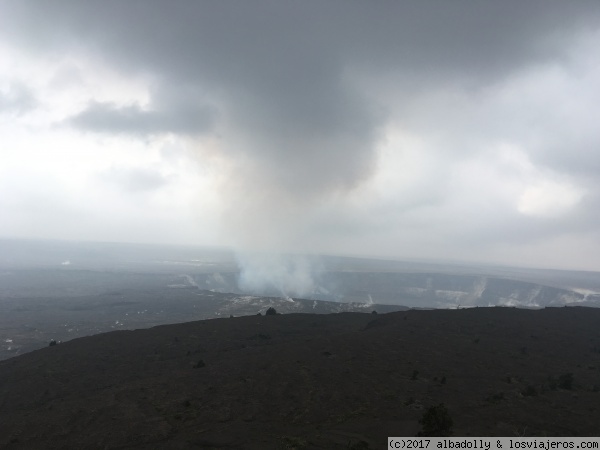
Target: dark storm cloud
[(233, 39), (281, 67), (298, 94)]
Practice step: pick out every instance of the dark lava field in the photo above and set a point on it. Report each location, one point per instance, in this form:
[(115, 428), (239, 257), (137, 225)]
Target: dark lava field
[(296, 381)]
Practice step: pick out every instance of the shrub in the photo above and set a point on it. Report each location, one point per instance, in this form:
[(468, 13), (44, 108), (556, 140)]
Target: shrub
[(565, 381), (292, 443), (496, 397), (271, 312), (529, 391), (436, 421), (52, 343), (358, 445), (199, 364)]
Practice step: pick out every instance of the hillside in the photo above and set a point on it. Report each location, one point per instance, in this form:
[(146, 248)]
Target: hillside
[(28, 324), (308, 381)]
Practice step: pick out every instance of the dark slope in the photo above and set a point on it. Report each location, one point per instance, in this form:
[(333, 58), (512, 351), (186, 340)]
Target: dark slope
[(28, 324), (308, 381)]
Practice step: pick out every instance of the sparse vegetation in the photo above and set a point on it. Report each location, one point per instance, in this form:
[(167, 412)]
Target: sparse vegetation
[(436, 421), (358, 412), (529, 391), (330, 363), (292, 443), (260, 336), (565, 381), (496, 397), (520, 432), (358, 445)]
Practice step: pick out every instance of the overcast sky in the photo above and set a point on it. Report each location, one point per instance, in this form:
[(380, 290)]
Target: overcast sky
[(446, 130)]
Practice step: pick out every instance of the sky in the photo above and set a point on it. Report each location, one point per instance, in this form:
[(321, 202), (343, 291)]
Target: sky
[(427, 129)]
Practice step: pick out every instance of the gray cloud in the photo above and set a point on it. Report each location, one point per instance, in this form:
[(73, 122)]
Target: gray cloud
[(134, 179), (300, 94), (109, 118), (16, 99)]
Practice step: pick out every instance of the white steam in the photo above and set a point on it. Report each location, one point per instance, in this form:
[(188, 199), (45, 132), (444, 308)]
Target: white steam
[(277, 274)]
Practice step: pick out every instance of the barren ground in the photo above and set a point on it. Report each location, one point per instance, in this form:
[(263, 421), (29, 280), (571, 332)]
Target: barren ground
[(308, 381)]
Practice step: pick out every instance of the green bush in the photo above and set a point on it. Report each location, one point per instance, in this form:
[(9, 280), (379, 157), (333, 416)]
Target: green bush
[(436, 421)]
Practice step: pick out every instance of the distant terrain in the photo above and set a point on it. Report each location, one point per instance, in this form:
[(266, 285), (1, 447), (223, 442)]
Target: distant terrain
[(30, 323), (57, 290), (108, 346)]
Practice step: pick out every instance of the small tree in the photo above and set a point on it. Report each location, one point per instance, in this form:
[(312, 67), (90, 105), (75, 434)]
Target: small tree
[(271, 312), (436, 421)]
